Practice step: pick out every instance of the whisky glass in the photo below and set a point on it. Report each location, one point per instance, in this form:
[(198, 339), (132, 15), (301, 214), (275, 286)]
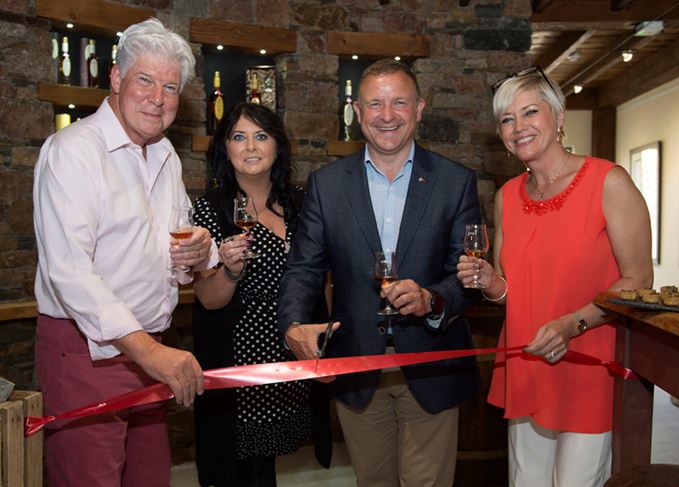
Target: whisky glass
[(180, 227), (386, 274), (476, 244), (245, 218)]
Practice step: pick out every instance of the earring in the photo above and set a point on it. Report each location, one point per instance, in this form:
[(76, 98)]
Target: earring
[(560, 134)]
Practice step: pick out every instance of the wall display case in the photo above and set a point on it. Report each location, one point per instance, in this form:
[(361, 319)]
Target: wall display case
[(79, 22)]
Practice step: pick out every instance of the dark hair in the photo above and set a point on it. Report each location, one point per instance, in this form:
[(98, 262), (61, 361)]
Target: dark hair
[(223, 175), (389, 66)]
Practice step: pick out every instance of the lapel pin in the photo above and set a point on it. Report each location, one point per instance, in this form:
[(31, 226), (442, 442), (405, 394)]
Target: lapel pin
[(422, 180)]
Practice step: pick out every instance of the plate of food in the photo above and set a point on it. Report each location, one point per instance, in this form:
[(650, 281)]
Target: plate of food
[(665, 300)]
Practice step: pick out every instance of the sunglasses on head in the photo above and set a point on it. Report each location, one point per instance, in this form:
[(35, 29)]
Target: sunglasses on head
[(518, 74)]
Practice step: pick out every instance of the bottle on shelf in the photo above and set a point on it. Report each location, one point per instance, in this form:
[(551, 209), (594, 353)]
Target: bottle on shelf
[(84, 54), (347, 118), (92, 65), (64, 64), (114, 53), (61, 120), (215, 110), (254, 91), (55, 57)]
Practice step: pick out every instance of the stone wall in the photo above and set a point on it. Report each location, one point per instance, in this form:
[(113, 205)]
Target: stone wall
[(471, 47)]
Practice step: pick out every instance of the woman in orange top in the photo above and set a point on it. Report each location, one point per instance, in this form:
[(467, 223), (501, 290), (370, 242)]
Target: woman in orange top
[(568, 228)]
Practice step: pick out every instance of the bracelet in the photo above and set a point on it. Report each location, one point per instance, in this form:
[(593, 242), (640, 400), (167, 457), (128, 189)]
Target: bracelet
[(504, 294), (230, 276)]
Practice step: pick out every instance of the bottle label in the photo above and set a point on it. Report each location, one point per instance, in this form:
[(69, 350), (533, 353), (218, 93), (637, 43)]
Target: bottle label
[(94, 68), (55, 49), (348, 115), (219, 108), (66, 67)]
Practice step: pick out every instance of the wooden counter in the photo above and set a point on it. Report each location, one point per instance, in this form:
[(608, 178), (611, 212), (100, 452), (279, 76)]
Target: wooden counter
[(648, 343)]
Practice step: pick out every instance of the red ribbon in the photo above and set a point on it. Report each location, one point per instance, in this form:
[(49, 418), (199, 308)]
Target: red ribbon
[(250, 375)]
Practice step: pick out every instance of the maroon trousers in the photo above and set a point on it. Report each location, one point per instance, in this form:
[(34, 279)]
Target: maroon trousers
[(128, 448)]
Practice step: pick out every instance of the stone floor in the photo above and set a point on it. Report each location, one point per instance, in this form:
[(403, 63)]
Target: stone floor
[(301, 469)]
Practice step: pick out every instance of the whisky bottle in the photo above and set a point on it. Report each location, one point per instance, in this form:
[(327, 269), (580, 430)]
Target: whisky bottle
[(92, 65), (347, 111), (254, 91), (215, 110), (84, 54), (64, 64), (55, 57), (114, 53)]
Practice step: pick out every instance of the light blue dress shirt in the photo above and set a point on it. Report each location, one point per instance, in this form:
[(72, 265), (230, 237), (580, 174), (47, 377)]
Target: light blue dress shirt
[(388, 200)]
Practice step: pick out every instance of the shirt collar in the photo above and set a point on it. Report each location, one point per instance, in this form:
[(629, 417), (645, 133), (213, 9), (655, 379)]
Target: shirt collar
[(115, 136), (409, 160)]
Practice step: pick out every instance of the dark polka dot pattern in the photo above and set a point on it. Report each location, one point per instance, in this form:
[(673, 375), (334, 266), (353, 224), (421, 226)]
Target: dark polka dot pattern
[(271, 419)]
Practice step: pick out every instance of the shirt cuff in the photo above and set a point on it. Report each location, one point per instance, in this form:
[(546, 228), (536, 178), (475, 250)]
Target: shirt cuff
[(436, 324)]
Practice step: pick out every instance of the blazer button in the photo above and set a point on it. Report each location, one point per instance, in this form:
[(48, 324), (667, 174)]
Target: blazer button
[(381, 330)]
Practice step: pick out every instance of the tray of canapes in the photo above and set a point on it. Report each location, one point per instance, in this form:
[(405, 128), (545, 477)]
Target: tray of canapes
[(665, 300)]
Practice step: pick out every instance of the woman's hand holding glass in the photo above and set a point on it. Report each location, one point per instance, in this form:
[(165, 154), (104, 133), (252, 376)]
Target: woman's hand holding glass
[(474, 271), (232, 252)]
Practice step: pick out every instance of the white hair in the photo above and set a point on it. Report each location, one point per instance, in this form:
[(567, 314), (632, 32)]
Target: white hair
[(151, 36)]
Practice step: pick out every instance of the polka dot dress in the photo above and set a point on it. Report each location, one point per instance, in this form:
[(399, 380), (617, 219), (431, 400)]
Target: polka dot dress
[(273, 418)]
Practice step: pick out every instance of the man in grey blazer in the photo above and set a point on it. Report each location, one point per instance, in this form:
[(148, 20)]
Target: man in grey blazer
[(400, 426)]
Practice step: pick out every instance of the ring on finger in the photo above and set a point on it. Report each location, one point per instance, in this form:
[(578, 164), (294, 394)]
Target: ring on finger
[(552, 355)]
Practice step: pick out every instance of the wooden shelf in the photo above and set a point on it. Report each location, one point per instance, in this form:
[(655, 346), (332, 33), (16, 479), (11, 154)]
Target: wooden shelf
[(200, 143), (62, 95), (378, 44), (341, 148), (243, 37), (92, 16)]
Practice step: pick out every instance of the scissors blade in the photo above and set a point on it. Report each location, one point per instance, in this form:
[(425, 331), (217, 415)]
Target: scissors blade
[(326, 339)]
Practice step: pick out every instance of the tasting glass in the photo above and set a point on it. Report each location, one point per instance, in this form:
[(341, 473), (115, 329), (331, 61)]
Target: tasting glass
[(476, 244), (245, 217), (386, 274)]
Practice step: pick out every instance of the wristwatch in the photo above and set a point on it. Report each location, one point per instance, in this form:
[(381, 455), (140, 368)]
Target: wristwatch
[(436, 305), (582, 323)]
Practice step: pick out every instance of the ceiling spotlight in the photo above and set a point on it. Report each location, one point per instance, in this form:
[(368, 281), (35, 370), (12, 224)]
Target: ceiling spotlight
[(71, 106), (69, 25), (220, 47), (397, 58), (354, 57), (577, 89), (573, 56), (262, 51), (627, 56)]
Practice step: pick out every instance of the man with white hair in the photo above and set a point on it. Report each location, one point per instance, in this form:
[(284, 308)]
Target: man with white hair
[(103, 194)]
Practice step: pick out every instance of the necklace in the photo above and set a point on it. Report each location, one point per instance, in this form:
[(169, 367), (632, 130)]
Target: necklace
[(552, 179)]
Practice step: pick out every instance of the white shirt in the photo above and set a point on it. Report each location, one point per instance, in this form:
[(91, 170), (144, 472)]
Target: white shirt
[(101, 213)]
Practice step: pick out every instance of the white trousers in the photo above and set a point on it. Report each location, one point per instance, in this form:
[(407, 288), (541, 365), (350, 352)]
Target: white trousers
[(540, 457)]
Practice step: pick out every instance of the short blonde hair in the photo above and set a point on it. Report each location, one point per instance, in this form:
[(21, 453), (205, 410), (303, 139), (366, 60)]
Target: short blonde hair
[(536, 80)]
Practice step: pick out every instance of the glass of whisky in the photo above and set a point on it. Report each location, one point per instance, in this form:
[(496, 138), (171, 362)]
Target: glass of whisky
[(245, 218), (180, 227), (476, 244), (386, 274)]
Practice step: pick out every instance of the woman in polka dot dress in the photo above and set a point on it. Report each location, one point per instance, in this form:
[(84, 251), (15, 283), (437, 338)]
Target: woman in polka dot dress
[(235, 316)]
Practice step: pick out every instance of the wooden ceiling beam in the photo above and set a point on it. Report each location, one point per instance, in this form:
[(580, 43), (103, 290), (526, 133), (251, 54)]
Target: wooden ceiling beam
[(619, 4), (600, 11), (606, 62), (649, 73), (540, 5), (559, 51)]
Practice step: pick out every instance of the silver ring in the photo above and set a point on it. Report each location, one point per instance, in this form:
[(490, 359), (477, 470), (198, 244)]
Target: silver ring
[(552, 355), (317, 351)]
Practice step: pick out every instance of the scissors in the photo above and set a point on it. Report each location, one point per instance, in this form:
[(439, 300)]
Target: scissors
[(324, 345)]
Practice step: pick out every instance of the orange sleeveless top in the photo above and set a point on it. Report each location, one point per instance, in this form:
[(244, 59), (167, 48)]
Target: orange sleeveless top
[(556, 256)]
